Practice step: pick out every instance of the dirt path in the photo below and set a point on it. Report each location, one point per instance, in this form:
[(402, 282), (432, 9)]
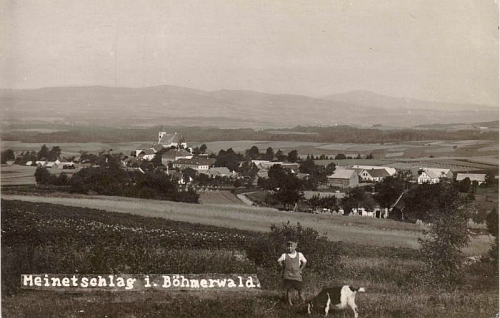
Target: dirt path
[(244, 198), (219, 197)]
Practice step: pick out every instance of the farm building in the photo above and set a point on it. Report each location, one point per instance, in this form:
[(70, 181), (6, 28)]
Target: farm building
[(479, 177), (196, 163), (376, 213), (434, 175), (264, 164), (180, 177), (263, 173), (390, 171), (373, 175), (344, 178), (64, 165), (220, 172), (148, 154), (142, 148), (175, 154)]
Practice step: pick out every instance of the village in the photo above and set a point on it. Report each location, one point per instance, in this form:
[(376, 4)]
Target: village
[(246, 175)]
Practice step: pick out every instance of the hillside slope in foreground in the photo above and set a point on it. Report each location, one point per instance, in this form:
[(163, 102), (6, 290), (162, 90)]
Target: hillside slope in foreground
[(364, 231)]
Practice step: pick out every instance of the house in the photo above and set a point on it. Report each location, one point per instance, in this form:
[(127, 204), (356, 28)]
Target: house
[(142, 148), (433, 175), (479, 177), (196, 163), (376, 213), (390, 171), (373, 175), (40, 163), (344, 178), (175, 154), (49, 164), (219, 172), (64, 165), (181, 178), (148, 154), (263, 173), (265, 164)]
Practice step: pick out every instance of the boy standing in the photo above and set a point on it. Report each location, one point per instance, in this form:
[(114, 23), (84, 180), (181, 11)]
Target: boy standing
[(292, 263)]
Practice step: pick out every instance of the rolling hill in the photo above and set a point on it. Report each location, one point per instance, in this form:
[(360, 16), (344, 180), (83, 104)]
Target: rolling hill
[(226, 108)]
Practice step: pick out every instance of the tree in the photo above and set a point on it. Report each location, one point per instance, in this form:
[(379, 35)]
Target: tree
[(7, 155), (156, 161), (370, 156), (388, 191), (404, 174), (308, 166), (42, 175), (196, 151), (269, 154), (190, 173), (340, 156), (330, 168), (489, 179), (252, 153), (280, 156), (43, 153), (448, 234), (357, 198), (293, 156), (420, 201), (464, 185), (203, 148), (228, 158), (473, 186), (54, 153), (285, 185)]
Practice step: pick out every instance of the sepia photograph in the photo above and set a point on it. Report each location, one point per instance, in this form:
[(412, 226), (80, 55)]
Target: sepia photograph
[(258, 158)]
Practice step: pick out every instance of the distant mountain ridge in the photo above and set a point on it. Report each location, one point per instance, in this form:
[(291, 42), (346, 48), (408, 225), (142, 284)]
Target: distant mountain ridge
[(246, 109), (367, 98)]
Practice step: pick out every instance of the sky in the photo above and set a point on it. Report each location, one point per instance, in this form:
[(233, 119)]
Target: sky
[(436, 50)]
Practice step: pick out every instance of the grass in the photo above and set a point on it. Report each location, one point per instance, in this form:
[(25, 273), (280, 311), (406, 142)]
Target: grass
[(390, 274), (359, 230), (338, 228)]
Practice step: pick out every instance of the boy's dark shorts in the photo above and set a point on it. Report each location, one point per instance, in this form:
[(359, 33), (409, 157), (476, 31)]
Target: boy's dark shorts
[(293, 284)]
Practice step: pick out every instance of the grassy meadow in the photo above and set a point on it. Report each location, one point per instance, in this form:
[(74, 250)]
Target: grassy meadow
[(41, 237)]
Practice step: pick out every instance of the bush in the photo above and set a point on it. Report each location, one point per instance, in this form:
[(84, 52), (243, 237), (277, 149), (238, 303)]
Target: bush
[(492, 224), (322, 255), (448, 234)]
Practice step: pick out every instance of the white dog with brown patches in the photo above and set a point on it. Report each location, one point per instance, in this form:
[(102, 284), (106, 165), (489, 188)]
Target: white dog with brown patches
[(340, 297)]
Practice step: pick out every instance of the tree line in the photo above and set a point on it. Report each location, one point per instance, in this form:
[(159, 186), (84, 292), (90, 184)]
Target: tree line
[(332, 134)]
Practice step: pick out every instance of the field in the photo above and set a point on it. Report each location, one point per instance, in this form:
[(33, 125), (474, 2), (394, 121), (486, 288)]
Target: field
[(46, 238), (467, 149), (355, 229), (12, 175)]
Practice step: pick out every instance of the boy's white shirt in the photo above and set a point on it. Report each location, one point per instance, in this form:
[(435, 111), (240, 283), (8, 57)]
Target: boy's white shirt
[(292, 255)]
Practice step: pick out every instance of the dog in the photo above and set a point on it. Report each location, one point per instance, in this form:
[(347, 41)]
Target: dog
[(340, 297)]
